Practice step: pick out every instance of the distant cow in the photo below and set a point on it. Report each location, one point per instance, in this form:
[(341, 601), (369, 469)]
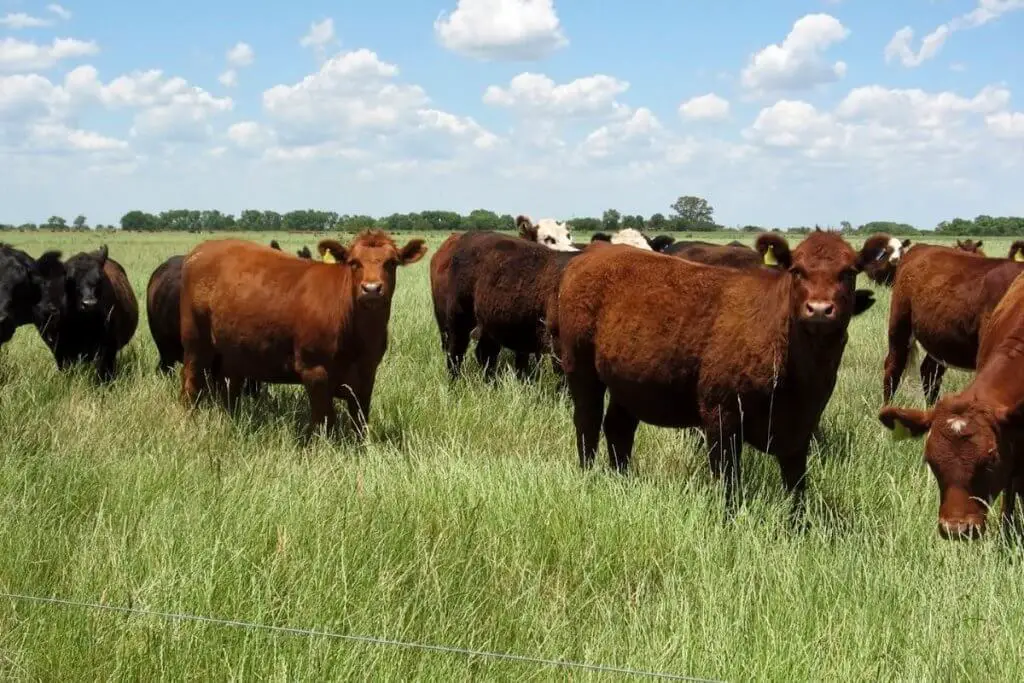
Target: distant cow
[(970, 246), (635, 238), (882, 270), (547, 232), (30, 289), (301, 253), (735, 254), (973, 444), (744, 355), (163, 311), (939, 299), (98, 316), (273, 318), (501, 284)]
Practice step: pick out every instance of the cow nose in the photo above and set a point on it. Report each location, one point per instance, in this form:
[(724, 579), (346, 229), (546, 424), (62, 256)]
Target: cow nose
[(89, 303), (961, 529), (372, 287), (820, 310)]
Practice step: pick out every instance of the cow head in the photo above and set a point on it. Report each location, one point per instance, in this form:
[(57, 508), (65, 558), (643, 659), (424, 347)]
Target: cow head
[(970, 246), (631, 237), (53, 289), (85, 279), (19, 290), (304, 253), (661, 242), (373, 258), (823, 272), (546, 231), (1016, 251), (962, 449)]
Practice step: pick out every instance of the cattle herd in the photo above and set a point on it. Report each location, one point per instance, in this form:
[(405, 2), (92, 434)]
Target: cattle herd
[(743, 344)]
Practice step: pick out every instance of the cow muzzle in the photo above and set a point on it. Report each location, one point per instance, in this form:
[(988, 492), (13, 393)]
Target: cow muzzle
[(820, 311), (962, 529)]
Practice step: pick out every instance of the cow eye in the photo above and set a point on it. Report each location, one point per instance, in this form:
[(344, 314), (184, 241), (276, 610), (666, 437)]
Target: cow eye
[(355, 264), (549, 240), (798, 272)]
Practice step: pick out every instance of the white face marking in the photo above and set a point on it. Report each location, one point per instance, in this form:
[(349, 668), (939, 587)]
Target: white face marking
[(554, 235), (957, 424), (631, 237), (897, 250)]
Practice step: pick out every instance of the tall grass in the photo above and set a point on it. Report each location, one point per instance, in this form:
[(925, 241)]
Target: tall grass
[(464, 520)]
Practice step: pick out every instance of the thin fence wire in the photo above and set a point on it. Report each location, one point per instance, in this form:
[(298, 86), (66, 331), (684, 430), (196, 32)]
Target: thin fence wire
[(368, 640)]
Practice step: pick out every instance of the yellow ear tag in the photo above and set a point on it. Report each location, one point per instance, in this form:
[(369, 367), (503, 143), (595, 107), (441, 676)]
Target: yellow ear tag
[(769, 257), (1018, 256), (900, 432), (329, 257)]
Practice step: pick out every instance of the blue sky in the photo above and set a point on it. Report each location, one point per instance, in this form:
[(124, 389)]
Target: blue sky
[(782, 113)]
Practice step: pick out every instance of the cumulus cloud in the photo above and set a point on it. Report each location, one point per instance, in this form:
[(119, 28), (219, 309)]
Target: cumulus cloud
[(20, 20), (1006, 125), (250, 135), (59, 11), (901, 45), (20, 55), (238, 57), (633, 136), (708, 107), (320, 36), (502, 29), (534, 93), (798, 63)]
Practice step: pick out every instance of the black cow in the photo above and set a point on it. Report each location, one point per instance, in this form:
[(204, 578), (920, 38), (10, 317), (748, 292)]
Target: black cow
[(29, 288)]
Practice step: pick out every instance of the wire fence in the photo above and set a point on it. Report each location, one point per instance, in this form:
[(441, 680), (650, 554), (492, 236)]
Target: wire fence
[(367, 640)]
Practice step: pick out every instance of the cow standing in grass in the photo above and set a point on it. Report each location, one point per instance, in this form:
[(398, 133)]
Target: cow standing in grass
[(250, 312), (882, 270), (744, 355), (31, 290)]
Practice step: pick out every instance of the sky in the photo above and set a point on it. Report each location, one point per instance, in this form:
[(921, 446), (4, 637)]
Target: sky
[(780, 113)]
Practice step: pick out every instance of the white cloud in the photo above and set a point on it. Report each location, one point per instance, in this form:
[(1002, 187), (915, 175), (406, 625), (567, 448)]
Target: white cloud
[(708, 107), (19, 55), (798, 63), (901, 45), (250, 135), (501, 29), (58, 137), (459, 127), (241, 55), (537, 94), (633, 135), (229, 79), (320, 35), (1006, 125), (59, 11), (20, 20)]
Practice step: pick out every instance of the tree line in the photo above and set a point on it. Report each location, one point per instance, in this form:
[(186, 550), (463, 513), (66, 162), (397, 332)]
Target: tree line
[(688, 214)]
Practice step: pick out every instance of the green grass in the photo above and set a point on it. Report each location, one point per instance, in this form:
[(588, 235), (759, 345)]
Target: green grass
[(464, 520)]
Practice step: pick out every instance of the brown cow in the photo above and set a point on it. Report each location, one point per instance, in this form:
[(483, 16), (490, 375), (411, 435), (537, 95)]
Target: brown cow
[(270, 317), (970, 246), (939, 299), (744, 355), (501, 284), (735, 254), (975, 444)]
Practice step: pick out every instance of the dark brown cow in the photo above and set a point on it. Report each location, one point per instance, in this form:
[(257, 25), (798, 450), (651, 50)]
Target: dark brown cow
[(504, 285), (274, 318), (970, 246), (744, 355), (735, 254), (975, 443), (163, 311), (939, 300)]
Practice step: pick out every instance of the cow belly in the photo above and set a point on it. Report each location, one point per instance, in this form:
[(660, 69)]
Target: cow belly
[(659, 404), (519, 335), (268, 356), (952, 348)]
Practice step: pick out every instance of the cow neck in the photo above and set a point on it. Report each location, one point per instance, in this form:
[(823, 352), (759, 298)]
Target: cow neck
[(810, 355), (369, 326), (999, 382)]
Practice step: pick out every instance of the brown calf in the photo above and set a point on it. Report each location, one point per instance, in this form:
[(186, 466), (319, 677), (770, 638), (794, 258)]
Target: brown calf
[(975, 443), (744, 355), (939, 300), (268, 316)]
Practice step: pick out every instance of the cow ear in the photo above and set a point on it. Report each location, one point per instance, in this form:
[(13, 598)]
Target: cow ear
[(906, 423), (873, 250), (101, 254), (49, 265), (601, 237), (774, 250), (527, 230), (960, 244), (1017, 251), (978, 244), (863, 299), (906, 243), (331, 251), (412, 252)]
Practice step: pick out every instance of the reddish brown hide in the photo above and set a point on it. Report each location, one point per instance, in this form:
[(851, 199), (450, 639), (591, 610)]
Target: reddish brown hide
[(734, 254), (975, 439), (940, 299), (744, 355), (271, 317)]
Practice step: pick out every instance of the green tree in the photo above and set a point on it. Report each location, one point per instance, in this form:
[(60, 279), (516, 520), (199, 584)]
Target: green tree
[(610, 220), (845, 226), (635, 222), (694, 212), (139, 221), (55, 223), (657, 221), (79, 222)]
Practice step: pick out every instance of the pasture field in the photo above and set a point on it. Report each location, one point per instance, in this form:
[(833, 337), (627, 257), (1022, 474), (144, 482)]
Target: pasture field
[(464, 520)]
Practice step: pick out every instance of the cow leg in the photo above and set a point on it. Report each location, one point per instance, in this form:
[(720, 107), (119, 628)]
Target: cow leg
[(932, 372), (459, 327), (793, 465), (486, 352), (524, 366), (357, 400), (1011, 521), (321, 400), (619, 431), (722, 433), (587, 393), (106, 363), (900, 340)]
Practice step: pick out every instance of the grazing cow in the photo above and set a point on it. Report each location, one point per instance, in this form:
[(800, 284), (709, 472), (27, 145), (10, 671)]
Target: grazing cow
[(97, 317), (30, 289), (163, 311), (939, 300), (501, 284), (745, 355), (1016, 251), (547, 232), (975, 438), (882, 270), (970, 246), (269, 317), (635, 238)]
